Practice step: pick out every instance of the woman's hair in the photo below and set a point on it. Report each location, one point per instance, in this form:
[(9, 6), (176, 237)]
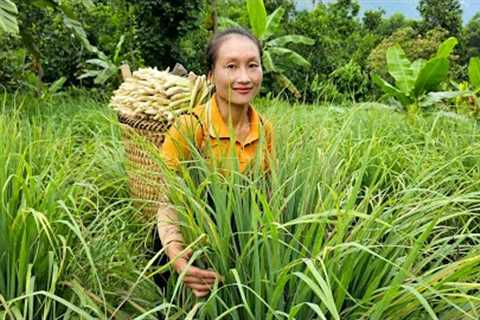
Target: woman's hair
[(219, 37)]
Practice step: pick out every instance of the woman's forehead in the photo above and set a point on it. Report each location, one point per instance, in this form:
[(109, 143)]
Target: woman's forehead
[(238, 48)]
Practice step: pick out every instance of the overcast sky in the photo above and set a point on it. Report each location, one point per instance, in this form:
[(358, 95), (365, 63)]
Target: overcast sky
[(407, 7)]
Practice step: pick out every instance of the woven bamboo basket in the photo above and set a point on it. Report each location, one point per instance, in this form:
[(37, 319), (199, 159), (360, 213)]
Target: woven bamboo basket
[(144, 175)]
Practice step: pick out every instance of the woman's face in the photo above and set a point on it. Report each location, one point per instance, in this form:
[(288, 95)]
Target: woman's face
[(237, 73)]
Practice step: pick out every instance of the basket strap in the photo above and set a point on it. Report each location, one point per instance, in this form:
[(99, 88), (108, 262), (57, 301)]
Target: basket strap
[(200, 146), (207, 111)]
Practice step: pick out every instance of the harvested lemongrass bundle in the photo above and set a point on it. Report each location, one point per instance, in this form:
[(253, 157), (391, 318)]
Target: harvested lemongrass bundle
[(159, 95)]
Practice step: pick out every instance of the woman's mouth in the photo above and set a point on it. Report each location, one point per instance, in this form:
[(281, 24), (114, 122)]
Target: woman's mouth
[(243, 90)]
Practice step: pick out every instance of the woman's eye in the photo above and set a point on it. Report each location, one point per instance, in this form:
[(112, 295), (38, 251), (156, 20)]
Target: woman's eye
[(230, 66), (253, 65)]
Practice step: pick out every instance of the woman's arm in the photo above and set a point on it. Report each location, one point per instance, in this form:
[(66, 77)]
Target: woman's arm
[(168, 230), (199, 280)]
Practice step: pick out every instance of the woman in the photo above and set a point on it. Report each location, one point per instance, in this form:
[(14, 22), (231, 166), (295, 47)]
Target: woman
[(234, 67)]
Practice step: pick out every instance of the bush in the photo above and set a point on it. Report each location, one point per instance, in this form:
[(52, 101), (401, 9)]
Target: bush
[(161, 24), (414, 44)]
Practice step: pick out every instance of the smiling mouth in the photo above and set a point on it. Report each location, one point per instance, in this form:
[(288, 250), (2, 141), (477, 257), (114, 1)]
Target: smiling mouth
[(243, 90)]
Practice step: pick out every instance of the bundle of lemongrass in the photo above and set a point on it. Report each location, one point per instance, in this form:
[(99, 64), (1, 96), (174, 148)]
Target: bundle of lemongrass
[(159, 95)]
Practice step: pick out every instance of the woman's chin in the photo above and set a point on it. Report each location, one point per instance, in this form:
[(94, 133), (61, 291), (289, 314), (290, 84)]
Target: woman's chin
[(241, 99), (236, 98)]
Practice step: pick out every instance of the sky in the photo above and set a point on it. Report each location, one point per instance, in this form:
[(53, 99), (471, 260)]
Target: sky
[(407, 7)]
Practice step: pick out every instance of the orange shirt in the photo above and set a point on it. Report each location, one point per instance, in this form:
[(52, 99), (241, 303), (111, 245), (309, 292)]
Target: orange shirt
[(212, 137)]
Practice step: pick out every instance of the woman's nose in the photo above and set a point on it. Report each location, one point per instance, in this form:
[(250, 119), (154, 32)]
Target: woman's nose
[(243, 75)]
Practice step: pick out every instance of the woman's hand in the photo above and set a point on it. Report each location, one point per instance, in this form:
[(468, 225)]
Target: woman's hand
[(199, 280)]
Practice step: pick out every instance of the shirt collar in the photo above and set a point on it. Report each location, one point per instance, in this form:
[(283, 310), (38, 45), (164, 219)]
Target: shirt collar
[(217, 128)]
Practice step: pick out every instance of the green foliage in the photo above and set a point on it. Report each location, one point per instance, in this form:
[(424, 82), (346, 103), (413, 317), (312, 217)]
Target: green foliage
[(113, 30), (60, 51), (472, 36), (415, 45), (51, 36), (337, 35), (445, 14), (107, 69), (107, 23), (8, 19), (414, 80), (463, 100), (325, 91), (372, 19), (384, 223), (393, 23), (474, 72), (346, 83), (467, 99), (192, 48), (396, 221), (55, 48), (257, 16), (160, 26), (13, 62)]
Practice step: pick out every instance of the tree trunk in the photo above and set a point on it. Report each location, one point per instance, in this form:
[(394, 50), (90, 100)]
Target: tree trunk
[(214, 15)]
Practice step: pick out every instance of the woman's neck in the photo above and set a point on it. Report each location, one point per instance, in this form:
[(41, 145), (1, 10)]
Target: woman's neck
[(237, 113)]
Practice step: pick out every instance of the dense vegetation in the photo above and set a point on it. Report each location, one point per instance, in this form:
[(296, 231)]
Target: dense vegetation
[(67, 40), (371, 210), (374, 217)]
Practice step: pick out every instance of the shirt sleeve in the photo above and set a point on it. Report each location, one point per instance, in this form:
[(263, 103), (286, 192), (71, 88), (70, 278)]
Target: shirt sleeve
[(179, 139)]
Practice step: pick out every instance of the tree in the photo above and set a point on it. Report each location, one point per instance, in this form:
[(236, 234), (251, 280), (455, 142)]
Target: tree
[(372, 19), (19, 19), (472, 36), (338, 35), (287, 5), (446, 14), (344, 14), (161, 23), (393, 23)]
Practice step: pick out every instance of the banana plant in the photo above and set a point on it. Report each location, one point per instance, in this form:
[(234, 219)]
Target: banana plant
[(467, 100), (474, 73), (415, 83), (106, 68), (465, 96), (8, 17), (265, 28)]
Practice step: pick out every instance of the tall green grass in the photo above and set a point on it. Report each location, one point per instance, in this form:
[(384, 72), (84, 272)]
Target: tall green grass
[(364, 216), (70, 241), (370, 217)]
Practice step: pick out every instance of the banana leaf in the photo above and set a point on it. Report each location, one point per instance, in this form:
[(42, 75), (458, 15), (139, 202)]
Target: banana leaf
[(433, 98), (446, 48), (8, 17), (268, 62), (273, 23), (431, 75), (474, 72), (258, 17), (391, 90), (417, 65), (284, 40), (400, 68), (225, 23), (290, 55)]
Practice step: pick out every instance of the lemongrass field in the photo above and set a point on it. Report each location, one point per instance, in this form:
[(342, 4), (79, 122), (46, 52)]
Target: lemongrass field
[(365, 215)]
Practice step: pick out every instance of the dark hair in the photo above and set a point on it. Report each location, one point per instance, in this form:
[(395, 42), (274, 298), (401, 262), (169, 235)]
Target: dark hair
[(219, 37)]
